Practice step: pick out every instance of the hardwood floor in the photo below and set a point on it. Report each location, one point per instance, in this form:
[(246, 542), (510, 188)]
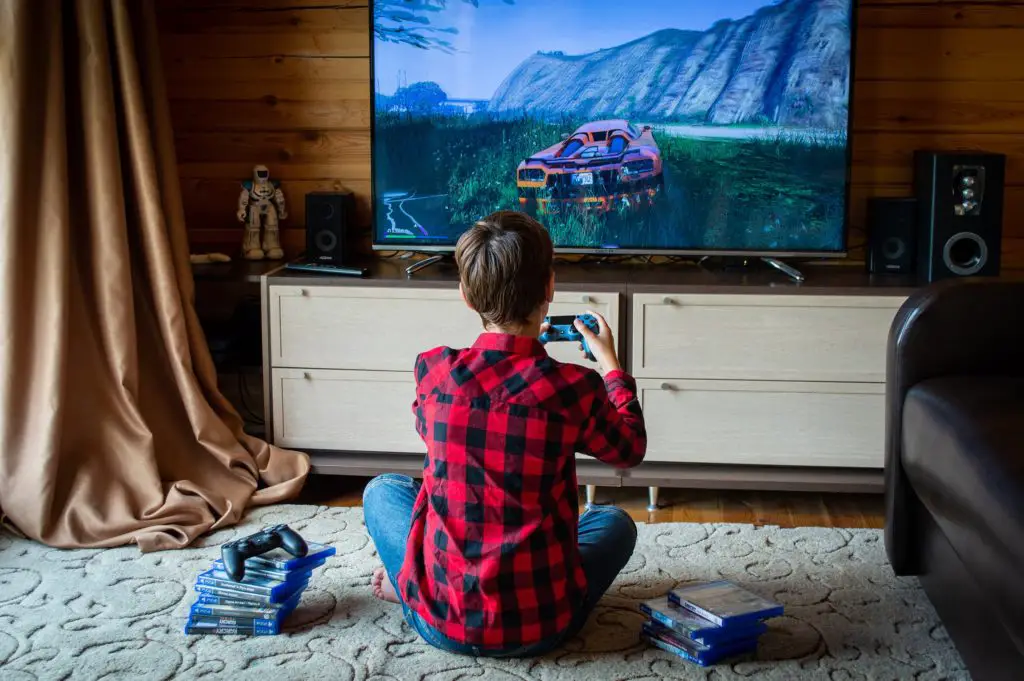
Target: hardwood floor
[(785, 509)]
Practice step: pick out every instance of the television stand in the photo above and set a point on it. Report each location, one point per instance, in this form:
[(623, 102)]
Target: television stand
[(815, 366), (788, 270), (421, 264)]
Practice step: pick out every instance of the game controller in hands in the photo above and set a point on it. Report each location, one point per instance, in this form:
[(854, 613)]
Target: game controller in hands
[(235, 552), (562, 328)]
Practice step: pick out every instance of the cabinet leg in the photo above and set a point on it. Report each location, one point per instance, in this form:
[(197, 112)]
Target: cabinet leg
[(591, 495), (652, 498)]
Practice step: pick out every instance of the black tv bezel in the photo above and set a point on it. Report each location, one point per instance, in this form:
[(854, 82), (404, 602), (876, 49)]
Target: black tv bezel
[(414, 247)]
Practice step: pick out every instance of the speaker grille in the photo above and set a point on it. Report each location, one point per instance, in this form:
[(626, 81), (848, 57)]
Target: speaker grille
[(965, 254), (892, 222), (327, 219)]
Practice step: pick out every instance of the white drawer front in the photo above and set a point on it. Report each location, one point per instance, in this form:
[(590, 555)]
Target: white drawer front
[(364, 328), (383, 329), (755, 337), (764, 423), (360, 411)]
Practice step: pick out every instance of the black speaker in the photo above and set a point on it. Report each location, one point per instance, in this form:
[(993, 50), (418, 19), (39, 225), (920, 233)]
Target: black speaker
[(892, 232), (328, 221), (960, 213)]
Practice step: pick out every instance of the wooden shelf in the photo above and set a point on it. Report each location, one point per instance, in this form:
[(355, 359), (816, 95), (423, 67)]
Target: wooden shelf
[(236, 271)]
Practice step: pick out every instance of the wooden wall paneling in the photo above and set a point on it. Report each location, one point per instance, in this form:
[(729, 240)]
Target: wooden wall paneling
[(212, 202), (285, 78), (286, 83), (280, 83), (300, 155), (922, 14)]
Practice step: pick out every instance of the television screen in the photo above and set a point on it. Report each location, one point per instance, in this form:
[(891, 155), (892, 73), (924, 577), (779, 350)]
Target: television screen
[(644, 126)]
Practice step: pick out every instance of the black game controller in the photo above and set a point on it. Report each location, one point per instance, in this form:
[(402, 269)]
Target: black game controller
[(235, 552)]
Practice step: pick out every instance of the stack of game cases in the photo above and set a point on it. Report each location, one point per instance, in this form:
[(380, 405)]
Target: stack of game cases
[(707, 623), (258, 604)]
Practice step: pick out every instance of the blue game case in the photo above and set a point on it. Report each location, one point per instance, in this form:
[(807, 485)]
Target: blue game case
[(273, 573), (669, 648), (252, 598), (241, 602), (279, 559), (214, 606), (664, 638), (253, 584), (725, 603), (690, 625), (259, 626), (193, 630)]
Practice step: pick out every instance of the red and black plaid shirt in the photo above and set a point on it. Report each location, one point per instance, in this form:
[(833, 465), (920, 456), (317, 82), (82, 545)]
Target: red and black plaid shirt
[(492, 558)]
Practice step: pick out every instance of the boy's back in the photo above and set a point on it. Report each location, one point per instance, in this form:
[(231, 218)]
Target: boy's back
[(492, 556), (489, 555)]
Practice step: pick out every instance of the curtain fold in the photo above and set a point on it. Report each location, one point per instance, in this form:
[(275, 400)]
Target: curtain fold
[(112, 428)]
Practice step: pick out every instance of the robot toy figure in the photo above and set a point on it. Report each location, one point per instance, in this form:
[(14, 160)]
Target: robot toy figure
[(261, 201)]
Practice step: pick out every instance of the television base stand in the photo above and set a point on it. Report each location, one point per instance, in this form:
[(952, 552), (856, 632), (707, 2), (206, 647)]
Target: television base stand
[(743, 262), (788, 270), (421, 264)]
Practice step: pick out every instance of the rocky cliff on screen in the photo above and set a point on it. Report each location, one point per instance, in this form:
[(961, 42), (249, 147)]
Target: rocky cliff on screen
[(787, 64)]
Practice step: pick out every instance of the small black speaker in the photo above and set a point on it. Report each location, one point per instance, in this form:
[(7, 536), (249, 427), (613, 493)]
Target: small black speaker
[(960, 213), (328, 221), (892, 231)]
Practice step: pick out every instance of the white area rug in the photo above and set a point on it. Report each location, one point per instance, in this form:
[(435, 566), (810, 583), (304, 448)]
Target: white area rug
[(117, 613)]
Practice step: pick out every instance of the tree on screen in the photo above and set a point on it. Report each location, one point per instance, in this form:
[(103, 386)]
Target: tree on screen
[(409, 22)]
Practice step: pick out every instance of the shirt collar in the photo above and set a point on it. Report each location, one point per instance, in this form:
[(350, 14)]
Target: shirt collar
[(506, 342)]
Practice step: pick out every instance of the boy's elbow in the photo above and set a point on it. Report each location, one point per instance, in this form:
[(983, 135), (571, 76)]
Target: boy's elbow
[(636, 454), (633, 452)]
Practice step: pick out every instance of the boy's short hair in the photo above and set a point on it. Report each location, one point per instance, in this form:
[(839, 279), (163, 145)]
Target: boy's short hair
[(505, 264)]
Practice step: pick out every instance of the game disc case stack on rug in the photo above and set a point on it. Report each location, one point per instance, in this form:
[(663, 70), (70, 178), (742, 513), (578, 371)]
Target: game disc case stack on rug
[(707, 623), (258, 604)]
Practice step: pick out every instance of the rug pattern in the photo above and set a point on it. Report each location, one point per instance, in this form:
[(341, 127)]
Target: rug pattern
[(117, 613)]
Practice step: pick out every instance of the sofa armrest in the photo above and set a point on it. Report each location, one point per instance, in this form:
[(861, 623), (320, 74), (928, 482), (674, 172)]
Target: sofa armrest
[(959, 327)]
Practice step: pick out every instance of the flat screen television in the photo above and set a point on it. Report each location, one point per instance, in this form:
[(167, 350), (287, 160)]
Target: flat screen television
[(639, 126)]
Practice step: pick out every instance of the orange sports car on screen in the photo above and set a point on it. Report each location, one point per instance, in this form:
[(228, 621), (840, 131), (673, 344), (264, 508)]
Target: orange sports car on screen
[(603, 166)]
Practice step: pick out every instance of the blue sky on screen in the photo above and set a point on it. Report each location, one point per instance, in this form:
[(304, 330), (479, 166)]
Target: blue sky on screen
[(496, 37)]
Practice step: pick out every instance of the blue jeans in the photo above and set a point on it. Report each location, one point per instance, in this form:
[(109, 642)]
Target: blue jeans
[(607, 536)]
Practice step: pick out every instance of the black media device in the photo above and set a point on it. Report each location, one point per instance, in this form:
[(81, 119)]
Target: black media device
[(324, 268), (329, 218), (960, 216), (328, 223), (892, 232), (235, 552)]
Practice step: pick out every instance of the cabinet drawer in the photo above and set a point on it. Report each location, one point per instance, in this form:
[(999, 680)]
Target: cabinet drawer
[(764, 423), (383, 329), (359, 411), (364, 328), (762, 337)]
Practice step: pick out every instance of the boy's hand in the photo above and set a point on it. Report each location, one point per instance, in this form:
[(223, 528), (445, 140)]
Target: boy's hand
[(601, 345)]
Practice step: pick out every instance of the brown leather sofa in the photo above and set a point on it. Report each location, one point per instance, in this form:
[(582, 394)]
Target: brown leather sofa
[(954, 464)]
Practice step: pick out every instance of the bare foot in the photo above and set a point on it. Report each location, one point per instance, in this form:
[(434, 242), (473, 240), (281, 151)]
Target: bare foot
[(382, 587)]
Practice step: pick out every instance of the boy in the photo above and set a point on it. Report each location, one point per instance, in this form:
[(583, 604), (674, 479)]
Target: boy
[(488, 556)]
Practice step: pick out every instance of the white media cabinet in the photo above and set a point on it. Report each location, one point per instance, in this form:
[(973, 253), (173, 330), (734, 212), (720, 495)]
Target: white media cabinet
[(746, 380)]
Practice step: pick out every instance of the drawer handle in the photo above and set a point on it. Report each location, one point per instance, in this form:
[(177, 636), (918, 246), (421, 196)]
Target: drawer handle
[(308, 376), (586, 299), (668, 300), (303, 292), (667, 386)]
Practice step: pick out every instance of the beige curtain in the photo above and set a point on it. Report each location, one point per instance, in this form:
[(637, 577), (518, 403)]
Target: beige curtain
[(112, 429)]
